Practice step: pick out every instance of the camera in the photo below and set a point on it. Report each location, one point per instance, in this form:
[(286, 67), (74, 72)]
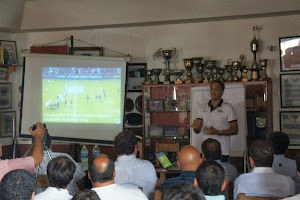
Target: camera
[(34, 126), (46, 139)]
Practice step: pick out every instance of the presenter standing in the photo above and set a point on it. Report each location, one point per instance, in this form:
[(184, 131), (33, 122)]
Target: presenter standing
[(217, 119)]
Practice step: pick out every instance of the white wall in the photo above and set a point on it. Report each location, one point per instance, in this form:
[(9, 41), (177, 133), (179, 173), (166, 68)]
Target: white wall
[(219, 40), (39, 15), (11, 14)]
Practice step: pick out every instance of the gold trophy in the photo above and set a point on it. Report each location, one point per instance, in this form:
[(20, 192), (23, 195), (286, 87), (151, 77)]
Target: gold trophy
[(178, 73), (148, 79), (188, 66), (168, 54), (198, 78), (205, 80), (244, 75), (263, 65)]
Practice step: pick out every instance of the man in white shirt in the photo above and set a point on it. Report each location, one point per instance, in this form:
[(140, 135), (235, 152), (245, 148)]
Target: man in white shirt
[(60, 171), (129, 169), (102, 173), (263, 181), (210, 178), (296, 197), (281, 164), (217, 119)]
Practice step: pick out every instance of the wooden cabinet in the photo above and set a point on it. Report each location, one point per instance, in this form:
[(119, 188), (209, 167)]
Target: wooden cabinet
[(166, 113)]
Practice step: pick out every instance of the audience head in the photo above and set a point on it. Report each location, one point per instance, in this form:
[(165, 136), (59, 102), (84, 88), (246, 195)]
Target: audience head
[(86, 195), (211, 149), (182, 191), (280, 142), (210, 178), (261, 154), (125, 143), (101, 169), (17, 184), (188, 158), (60, 171)]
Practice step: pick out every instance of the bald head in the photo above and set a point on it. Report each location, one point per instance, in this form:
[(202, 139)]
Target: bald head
[(188, 158), (101, 169)]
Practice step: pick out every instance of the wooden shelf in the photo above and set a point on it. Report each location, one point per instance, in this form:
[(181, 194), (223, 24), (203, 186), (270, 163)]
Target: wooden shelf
[(10, 68)]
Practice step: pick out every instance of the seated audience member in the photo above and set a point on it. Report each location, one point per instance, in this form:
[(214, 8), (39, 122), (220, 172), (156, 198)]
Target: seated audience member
[(182, 191), (17, 184), (210, 178), (129, 169), (211, 150), (188, 160), (60, 171), (30, 162), (41, 169), (262, 180), (282, 165), (296, 197), (102, 173), (86, 195)]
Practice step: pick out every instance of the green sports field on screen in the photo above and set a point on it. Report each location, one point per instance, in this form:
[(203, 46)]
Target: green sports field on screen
[(81, 101)]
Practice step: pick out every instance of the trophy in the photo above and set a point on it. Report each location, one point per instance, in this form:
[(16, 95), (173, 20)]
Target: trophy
[(167, 54), (198, 78), (221, 73), (148, 79), (263, 64), (209, 65), (254, 44), (244, 75), (178, 73), (229, 69), (215, 71), (205, 74), (156, 73), (188, 66), (236, 66)]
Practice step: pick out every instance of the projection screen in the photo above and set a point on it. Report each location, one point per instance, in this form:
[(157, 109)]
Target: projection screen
[(79, 98)]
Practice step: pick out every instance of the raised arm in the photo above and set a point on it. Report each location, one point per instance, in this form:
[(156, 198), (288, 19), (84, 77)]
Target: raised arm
[(37, 151)]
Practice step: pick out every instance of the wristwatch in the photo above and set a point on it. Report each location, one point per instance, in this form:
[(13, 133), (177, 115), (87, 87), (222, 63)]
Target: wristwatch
[(220, 132)]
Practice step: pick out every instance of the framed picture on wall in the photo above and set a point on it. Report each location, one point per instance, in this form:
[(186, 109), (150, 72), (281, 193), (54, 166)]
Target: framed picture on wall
[(290, 124), (135, 76), (5, 96), (87, 51), (289, 53), (7, 123), (9, 50), (289, 90)]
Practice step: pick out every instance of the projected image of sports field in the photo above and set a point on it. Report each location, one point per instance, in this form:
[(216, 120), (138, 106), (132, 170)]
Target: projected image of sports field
[(81, 101)]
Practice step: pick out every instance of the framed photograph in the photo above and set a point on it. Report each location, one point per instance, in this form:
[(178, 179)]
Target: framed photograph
[(289, 53), (155, 131), (7, 123), (9, 49), (289, 90), (87, 51), (135, 76), (5, 95), (290, 124), (156, 105)]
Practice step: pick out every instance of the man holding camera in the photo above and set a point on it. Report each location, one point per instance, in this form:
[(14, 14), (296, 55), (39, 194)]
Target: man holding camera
[(30, 162)]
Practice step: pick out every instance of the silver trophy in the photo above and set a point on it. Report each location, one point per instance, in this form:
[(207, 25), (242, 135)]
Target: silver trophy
[(221, 73), (198, 78), (168, 54), (229, 69), (215, 71), (156, 73), (236, 66), (148, 79), (188, 66), (263, 65), (178, 73), (210, 64)]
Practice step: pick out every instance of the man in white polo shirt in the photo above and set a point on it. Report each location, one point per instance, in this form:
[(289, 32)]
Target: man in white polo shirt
[(217, 119)]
